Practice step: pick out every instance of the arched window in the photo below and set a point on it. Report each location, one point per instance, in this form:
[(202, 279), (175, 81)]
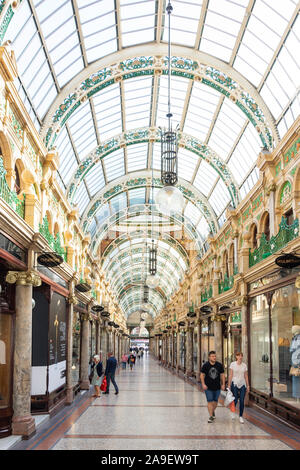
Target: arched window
[(254, 236), (266, 227), (17, 187), (289, 215)]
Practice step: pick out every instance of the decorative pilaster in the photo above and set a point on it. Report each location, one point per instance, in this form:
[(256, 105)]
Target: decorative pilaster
[(189, 351), (84, 369), (22, 422)]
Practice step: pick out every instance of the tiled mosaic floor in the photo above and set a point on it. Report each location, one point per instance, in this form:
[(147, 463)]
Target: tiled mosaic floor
[(156, 410)]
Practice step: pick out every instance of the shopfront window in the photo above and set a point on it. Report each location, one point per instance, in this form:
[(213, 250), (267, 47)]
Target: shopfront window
[(76, 348), (182, 348), (175, 349), (195, 349), (285, 315), (5, 359), (260, 344)]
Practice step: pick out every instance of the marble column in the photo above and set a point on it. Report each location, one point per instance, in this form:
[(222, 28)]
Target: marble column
[(104, 343), (189, 351), (84, 366), (199, 352), (22, 422), (218, 339), (178, 350)]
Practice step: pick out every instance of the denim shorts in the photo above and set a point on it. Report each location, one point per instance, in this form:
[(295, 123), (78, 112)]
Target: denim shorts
[(212, 395)]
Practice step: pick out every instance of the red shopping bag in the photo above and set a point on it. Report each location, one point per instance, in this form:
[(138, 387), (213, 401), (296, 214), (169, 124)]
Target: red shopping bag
[(103, 386)]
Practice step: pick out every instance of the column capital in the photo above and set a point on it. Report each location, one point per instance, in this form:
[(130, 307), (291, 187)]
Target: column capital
[(24, 278)]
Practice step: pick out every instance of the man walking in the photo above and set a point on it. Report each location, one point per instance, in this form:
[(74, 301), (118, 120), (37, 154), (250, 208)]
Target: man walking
[(213, 381), (110, 371)]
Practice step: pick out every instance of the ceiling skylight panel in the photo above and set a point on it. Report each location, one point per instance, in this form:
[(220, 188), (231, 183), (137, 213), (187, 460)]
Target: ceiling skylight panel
[(203, 228), (205, 178), (103, 213), (187, 162), (137, 196), (98, 22), (219, 197), (222, 24), (137, 22), (245, 154), (184, 22), (249, 183), (137, 102), (108, 112), (114, 165), (119, 202), (137, 157), (192, 213), (82, 130), (81, 198), (177, 97), (95, 179)]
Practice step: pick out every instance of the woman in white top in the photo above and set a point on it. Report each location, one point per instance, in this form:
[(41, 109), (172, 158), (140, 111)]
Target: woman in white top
[(238, 382)]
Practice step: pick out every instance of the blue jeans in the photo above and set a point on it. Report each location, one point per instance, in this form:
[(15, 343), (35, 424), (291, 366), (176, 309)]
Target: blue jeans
[(111, 377), (123, 365), (239, 393)]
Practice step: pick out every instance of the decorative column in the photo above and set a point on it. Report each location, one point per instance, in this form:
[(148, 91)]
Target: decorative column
[(218, 337), (71, 301), (189, 351), (178, 350), (198, 372), (271, 191), (22, 422), (84, 366), (243, 302), (104, 343)]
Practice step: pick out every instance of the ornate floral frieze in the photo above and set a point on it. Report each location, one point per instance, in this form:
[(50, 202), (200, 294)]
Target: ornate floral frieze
[(151, 65)]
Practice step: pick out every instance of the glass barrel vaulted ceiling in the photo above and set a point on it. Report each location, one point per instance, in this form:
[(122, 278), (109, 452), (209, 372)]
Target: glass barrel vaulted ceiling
[(93, 76)]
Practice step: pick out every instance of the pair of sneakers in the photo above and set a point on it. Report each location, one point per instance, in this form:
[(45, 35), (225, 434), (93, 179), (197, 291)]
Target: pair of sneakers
[(234, 416), (211, 418)]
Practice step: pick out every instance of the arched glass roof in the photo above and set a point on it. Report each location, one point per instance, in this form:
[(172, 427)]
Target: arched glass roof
[(93, 77)]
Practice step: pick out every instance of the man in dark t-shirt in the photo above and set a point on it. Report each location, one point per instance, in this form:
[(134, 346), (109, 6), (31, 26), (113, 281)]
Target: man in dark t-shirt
[(213, 381)]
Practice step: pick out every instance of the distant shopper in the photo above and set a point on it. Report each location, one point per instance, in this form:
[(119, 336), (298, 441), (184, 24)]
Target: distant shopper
[(97, 372), (124, 360), (213, 381), (131, 361), (238, 382), (110, 370), (139, 354)]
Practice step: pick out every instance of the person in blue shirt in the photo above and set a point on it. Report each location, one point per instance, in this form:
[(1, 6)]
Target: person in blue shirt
[(110, 370)]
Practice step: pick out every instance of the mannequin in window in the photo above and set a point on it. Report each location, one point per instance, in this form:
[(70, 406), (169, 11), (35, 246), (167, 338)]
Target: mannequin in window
[(295, 361)]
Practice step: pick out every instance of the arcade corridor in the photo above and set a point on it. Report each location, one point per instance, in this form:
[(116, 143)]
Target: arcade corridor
[(155, 409)]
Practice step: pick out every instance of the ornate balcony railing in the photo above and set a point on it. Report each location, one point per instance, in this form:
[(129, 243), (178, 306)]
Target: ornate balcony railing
[(54, 242), (226, 284), (207, 294), (10, 196), (285, 234)]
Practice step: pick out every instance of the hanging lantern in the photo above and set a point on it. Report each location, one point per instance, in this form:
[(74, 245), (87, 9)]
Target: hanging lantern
[(153, 260), (169, 198)]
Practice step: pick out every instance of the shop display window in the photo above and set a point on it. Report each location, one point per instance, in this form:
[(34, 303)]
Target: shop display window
[(76, 349), (5, 359), (260, 344), (195, 349), (182, 348), (285, 316)]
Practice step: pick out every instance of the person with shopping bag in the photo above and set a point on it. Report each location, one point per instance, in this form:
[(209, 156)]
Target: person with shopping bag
[(238, 382), (213, 381), (97, 373)]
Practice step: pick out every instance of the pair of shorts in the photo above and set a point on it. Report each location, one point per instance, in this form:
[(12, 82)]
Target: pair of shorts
[(212, 395)]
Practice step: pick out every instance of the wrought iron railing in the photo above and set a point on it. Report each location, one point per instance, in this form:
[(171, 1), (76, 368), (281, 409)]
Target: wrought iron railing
[(10, 196), (207, 294), (285, 234), (54, 242), (226, 284)]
